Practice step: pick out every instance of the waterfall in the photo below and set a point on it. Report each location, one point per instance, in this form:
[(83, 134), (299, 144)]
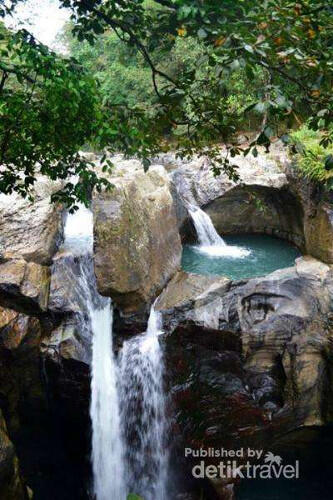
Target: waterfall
[(143, 412), (210, 242), (204, 226), (107, 447), (129, 452)]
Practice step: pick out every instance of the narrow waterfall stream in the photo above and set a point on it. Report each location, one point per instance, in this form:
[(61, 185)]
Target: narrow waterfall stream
[(143, 412), (107, 447), (210, 242)]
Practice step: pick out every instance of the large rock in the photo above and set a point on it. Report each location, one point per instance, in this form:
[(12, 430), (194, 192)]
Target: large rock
[(248, 362), (137, 244), (196, 183), (31, 229), (317, 205), (24, 286), (72, 293), (187, 292), (319, 232), (30, 232), (276, 329)]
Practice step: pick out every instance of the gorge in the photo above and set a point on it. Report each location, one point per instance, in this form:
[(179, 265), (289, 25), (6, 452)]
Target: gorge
[(114, 359)]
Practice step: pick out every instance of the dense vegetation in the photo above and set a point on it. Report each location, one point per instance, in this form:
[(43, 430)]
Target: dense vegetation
[(151, 75), (313, 159)]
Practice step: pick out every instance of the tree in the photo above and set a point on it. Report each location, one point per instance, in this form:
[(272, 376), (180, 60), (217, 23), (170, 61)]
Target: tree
[(287, 43), (48, 107)]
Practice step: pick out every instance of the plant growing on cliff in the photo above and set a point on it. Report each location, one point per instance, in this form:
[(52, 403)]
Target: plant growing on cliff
[(313, 160), (288, 45)]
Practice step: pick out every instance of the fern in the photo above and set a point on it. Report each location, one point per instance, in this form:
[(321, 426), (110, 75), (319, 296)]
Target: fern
[(313, 160)]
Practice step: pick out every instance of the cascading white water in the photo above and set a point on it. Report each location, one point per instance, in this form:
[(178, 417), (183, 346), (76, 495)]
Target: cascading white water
[(129, 452), (143, 412), (210, 241), (206, 231), (107, 447)]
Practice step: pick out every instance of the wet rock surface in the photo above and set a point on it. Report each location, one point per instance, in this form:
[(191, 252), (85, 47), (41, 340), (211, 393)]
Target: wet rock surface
[(318, 213)]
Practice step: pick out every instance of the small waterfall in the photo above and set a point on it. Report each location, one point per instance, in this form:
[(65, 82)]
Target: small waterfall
[(206, 231), (143, 412), (210, 242), (107, 447)]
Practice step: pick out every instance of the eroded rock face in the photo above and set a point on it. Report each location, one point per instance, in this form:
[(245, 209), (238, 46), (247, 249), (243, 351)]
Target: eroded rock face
[(44, 391), (24, 286), (72, 280), (30, 230), (21, 393), (262, 210), (319, 232), (318, 213), (188, 292), (260, 202), (30, 233), (137, 244), (251, 360)]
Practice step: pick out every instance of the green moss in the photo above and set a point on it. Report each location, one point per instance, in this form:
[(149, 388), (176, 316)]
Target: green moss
[(313, 160)]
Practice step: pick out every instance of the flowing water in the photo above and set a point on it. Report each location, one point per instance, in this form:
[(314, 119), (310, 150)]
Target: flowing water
[(107, 446), (210, 242), (205, 229), (265, 255), (143, 412)]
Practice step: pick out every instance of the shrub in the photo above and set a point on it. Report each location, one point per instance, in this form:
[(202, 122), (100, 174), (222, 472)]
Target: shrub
[(313, 160)]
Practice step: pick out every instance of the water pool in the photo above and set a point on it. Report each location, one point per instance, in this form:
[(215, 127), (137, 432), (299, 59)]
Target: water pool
[(260, 255)]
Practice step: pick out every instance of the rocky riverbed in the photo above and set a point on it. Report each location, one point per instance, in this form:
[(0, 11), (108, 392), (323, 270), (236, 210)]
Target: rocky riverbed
[(248, 362)]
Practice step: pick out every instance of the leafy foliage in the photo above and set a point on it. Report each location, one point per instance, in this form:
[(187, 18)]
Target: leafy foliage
[(265, 63), (314, 161), (48, 108)]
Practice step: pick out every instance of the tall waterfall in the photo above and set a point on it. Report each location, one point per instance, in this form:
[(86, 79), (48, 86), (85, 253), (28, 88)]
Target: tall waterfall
[(107, 447), (210, 242), (143, 412)]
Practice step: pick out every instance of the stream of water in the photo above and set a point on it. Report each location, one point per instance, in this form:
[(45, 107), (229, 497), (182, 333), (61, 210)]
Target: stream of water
[(143, 412), (107, 445), (210, 242)]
